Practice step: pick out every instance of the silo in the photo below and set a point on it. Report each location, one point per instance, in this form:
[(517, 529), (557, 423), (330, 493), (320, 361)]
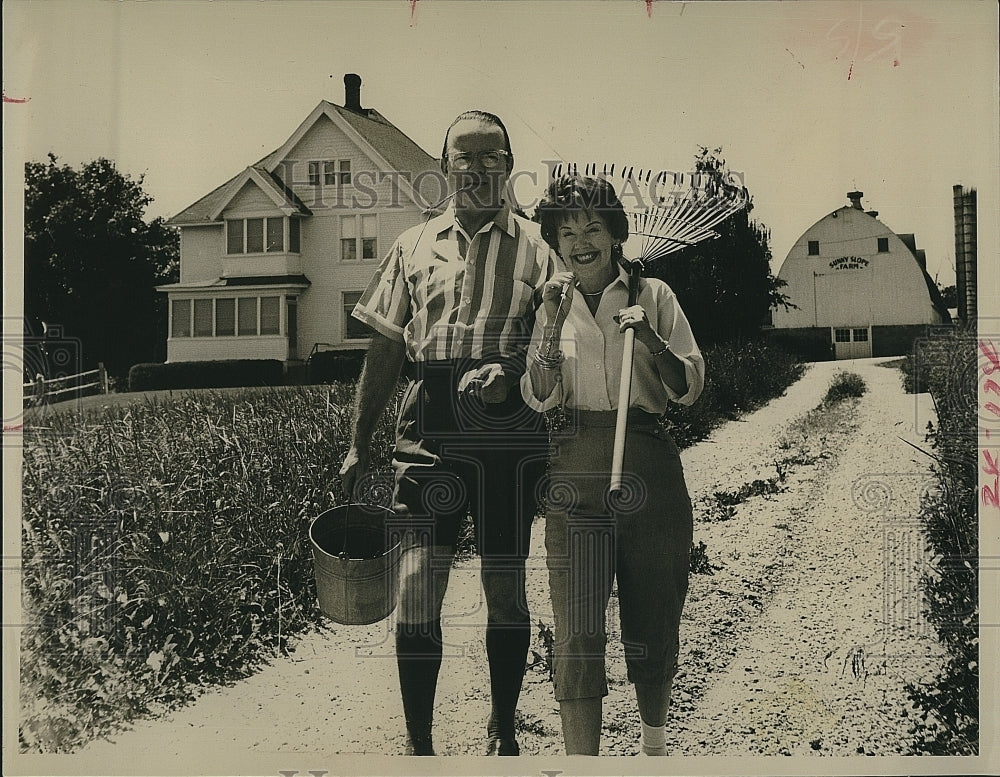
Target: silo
[(965, 251)]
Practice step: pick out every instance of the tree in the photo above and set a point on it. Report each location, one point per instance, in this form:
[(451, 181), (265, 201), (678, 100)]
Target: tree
[(949, 294), (91, 262), (725, 285)]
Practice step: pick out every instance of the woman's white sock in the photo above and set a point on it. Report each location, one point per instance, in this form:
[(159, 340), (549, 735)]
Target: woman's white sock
[(654, 739)]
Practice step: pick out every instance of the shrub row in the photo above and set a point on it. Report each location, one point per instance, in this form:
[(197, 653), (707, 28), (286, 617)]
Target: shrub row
[(946, 366), (332, 366), (206, 374)]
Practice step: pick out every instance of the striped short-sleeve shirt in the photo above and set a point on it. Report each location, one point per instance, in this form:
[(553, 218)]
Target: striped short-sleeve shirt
[(449, 296)]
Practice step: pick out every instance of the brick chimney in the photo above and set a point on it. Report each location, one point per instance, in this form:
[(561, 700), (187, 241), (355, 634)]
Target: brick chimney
[(855, 198), (352, 92)]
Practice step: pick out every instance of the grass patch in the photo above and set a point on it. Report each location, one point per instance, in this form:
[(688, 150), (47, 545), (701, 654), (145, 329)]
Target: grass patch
[(700, 565), (164, 545), (845, 385)]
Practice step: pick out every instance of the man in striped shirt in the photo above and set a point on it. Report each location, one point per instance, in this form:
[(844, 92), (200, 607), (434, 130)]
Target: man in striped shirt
[(453, 303)]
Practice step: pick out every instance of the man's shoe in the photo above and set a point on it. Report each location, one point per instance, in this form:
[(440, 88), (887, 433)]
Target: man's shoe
[(499, 745), (418, 746)]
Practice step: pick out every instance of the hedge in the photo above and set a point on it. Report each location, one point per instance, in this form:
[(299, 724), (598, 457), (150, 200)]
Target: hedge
[(206, 374), (333, 366)]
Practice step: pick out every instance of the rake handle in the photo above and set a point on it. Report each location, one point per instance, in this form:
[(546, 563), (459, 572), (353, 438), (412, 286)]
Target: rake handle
[(625, 387)]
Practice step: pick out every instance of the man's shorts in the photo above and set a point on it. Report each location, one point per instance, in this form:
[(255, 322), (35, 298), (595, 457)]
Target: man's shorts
[(459, 456)]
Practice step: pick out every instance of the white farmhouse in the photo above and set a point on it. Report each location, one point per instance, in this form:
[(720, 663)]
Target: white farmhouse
[(858, 287), (273, 260)]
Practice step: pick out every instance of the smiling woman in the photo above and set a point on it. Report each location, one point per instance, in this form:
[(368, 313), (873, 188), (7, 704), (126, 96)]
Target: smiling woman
[(593, 539)]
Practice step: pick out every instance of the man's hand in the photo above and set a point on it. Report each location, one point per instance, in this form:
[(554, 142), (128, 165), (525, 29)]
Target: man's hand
[(489, 383), (354, 469)]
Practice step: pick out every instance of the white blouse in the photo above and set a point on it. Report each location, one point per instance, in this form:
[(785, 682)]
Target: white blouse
[(593, 347)]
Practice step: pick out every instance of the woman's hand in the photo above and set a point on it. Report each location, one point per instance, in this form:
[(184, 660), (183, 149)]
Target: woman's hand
[(635, 318), (552, 295)]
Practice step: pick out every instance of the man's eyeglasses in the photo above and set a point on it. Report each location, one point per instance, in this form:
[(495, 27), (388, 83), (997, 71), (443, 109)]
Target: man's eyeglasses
[(490, 160)]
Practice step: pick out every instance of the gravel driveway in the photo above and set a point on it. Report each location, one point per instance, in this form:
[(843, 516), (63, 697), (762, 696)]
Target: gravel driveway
[(798, 644)]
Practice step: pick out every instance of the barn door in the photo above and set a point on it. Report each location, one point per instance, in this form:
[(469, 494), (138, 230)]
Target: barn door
[(852, 342)]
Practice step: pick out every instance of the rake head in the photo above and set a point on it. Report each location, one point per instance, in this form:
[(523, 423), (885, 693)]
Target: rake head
[(667, 211)]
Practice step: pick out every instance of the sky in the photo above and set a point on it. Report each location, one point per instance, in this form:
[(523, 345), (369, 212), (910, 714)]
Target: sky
[(809, 100)]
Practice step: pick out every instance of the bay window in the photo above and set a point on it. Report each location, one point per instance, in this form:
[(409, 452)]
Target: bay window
[(261, 235)]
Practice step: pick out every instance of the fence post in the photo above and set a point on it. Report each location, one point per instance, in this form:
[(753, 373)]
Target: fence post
[(103, 377)]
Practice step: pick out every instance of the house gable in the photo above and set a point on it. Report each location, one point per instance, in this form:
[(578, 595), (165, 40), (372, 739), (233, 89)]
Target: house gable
[(251, 199), (389, 162), (313, 234)]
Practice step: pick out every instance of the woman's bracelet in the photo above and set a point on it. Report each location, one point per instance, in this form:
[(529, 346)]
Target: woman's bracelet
[(663, 350), (550, 361)]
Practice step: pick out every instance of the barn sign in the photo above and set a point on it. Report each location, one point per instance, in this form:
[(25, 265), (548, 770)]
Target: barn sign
[(849, 263)]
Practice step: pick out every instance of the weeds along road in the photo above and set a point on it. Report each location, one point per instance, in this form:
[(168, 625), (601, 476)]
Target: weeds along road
[(799, 642)]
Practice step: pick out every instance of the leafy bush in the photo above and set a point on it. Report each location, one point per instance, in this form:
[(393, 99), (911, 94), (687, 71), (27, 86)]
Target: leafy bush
[(332, 366), (947, 367), (206, 374), (165, 544), (936, 360), (844, 385)]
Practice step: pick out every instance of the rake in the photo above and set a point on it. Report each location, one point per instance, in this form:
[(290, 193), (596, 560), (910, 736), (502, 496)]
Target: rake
[(671, 212)]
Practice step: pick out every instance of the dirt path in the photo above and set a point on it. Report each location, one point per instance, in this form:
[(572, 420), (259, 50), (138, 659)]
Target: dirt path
[(799, 643)]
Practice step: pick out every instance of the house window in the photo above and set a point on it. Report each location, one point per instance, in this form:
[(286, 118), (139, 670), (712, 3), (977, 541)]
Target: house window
[(275, 235), (225, 317), (294, 229), (180, 318), (255, 236), (352, 244), (813, 248), (234, 236), (369, 237), (348, 239), (292, 325), (353, 329), (336, 171), (247, 315), (231, 316), (842, 335), (861, 335), (247, 236), (203, 318), (314, 173), (270, 316), (883, 245)]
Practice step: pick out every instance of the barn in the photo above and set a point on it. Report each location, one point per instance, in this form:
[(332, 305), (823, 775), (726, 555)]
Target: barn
[(858, 288)]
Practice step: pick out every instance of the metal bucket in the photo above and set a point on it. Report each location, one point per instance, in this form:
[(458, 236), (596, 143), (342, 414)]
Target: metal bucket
[(355, 563)]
